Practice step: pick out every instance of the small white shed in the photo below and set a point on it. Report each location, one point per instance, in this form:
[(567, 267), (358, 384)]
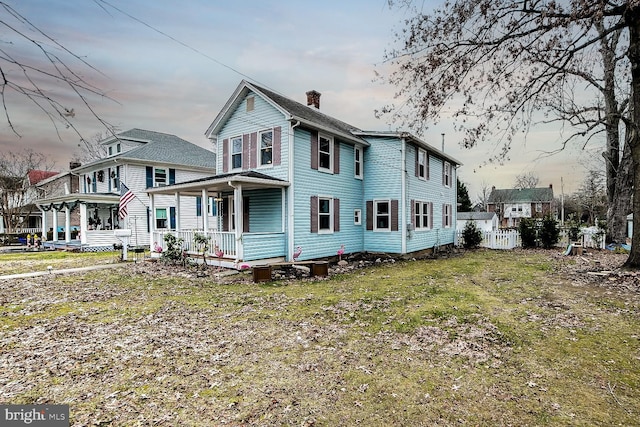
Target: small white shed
[(485, 221)]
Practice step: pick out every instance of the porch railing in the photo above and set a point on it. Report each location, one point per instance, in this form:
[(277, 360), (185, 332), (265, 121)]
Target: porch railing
[(223, 240)]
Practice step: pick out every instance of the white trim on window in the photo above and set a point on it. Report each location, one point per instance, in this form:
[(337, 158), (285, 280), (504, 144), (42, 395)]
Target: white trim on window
[(423, 164), (358, 162), (235, 143), (423, 212), (325, 214), (325, 153), (447, 175), (447, 215), (162, 218), (382, 215), (265, 148), (357, 217)]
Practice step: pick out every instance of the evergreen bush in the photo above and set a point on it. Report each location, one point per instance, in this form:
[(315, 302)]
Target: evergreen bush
[(471, 235)]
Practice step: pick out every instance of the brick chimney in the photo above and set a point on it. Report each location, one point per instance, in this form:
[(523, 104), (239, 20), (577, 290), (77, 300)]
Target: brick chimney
[(313, 99), (73, 165)]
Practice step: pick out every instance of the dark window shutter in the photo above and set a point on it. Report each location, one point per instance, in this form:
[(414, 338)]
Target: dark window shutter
[(336, 156), (253, 150), (245, 151), (109, 178), (199, 206), (225, 214), (245, 214), (225, 155), (336, 215), (417, 162), (427, 165), (394, 215), (148, 220), (314, 214), (369, 214), (314, 149), (277, 141), (94, 183), (443, 215), (172, 176), (172, 217), (149, 176)]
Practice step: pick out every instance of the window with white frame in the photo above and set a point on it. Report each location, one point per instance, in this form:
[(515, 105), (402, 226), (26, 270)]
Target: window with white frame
[(161, 218), (382, 215), (423, 171), (325, 153), (236, 152), (357, 155), (325, 215), (423, 212), (357, 217), (160, 177), (446, 176), (110, 150), (447, 216), (118, 148), (266, 148)]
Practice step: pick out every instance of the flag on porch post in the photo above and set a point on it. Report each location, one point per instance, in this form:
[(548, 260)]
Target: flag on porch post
[(126, 196)]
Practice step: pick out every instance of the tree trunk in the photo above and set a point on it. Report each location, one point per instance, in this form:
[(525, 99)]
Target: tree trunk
[(632, 18), (621, 205)]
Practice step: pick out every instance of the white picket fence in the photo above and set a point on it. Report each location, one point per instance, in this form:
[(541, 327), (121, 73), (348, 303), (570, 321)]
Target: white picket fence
[(508, 239)]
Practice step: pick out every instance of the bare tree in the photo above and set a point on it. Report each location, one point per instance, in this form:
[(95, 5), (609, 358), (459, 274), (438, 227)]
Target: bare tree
[(504, 61), (17, 193), (591, 197), (92, 149), (483, 196), (526, 180), (33, 65)]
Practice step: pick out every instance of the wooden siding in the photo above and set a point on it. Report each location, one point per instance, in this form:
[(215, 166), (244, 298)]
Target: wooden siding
[(263, 117), (343, 186)]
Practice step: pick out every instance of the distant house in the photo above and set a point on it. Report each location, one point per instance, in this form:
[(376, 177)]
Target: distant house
[(514, 203), (58, 185), (139, 159), (485, 221), (292, 177), (20, 195)]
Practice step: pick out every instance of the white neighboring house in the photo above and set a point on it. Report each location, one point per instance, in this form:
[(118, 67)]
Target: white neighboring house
[(139, 159), (485, 221)]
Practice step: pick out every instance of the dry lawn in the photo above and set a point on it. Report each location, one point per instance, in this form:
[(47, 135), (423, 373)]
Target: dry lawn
[(519, 338)]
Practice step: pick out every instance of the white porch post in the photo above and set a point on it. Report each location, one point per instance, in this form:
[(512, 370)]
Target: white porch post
[(55, 224), (152, 221), (204, 211), (178, 225), (44, 223), (67, 224), (83, 223), (237, 201)]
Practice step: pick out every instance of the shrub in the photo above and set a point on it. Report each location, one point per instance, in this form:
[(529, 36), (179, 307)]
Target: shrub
[(471, 235), (173, 252), (549, 232), (528, 233)]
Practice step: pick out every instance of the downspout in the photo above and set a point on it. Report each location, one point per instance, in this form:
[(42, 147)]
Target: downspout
[(291, 192), (403, 196)]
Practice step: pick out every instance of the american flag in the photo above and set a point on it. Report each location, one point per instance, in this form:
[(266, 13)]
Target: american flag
[(126, 196)]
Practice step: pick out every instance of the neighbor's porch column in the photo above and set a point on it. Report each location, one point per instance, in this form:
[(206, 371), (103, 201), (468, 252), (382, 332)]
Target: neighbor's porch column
[(44, 223), (83, 223), (55, 224), (205, 211), (152, 221), (178, 225), (67, 224)]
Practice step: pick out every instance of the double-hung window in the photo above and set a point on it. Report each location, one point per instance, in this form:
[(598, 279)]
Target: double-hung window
[(325, 153), (266, 148), (446, 175), (236, 152), (357, 155), (161, 218), (325, 215), (382, 215), (423, 165), (423, 212), (160, 177), (447, 215)]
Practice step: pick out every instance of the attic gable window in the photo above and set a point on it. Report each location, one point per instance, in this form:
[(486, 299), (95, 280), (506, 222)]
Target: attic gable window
[(251, 102), (266, 148), (325, 153), (236, 152)]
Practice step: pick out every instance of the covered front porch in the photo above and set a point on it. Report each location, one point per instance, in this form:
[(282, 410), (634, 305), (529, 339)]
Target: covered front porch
[(81, 221), (242, 216)]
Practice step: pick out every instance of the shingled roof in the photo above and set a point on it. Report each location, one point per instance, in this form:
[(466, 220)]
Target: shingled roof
[(160, 147), (524, 195)]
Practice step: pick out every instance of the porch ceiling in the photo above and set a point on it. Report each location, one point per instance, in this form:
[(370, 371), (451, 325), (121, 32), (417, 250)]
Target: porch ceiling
[(221, 183)]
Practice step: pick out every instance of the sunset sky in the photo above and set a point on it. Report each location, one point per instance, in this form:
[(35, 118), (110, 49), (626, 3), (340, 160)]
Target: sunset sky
[(169, 66)]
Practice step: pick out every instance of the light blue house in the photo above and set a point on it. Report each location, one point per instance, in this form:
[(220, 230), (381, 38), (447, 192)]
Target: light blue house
[(292, 177)]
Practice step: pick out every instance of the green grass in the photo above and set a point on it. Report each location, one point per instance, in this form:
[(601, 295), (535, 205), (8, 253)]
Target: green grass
[(488, 338)]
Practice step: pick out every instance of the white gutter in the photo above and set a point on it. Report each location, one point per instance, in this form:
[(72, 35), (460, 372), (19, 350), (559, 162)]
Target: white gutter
[(291, 211), (403, 196)]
